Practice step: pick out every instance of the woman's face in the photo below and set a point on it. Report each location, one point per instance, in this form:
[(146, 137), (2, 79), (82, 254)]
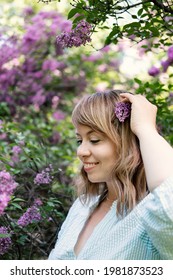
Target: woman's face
[(97, 153)]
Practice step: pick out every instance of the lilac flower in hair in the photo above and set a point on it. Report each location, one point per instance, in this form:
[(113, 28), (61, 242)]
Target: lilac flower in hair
[(122, 110)]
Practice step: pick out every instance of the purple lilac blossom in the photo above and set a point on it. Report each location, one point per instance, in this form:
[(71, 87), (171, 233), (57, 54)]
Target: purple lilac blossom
[(3, 136), (50, 64), (78, 36), (58, 115), (4, 199), (31, 37), (5, 241), (165, 64), (55, 101), (7, 186), (39, 98), (93, 57), (106, 49), (9, 51), (16, 150), (153, 71), (170, 54), (102, 68), (38, 74), (31, 215), (38, 202), (55, 138), (168, 18), (28, 11), (122, 110), (44, 177)]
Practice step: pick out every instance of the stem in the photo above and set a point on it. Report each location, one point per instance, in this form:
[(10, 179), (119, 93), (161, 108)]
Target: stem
[(163, 7)]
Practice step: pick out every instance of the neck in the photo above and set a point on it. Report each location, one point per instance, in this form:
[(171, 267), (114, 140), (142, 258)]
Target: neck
[(110, 199)]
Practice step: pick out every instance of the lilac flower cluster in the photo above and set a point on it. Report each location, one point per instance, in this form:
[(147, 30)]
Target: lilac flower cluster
[(9, 50), (16, 150), (45, 176), (7, 186), (52, 64), (122, 110), (31, 215), (155, 71), (5, 241), (78, 36)]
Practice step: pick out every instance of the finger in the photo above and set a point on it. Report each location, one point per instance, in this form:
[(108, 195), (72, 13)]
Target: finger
[(132, 98), (127, 96)]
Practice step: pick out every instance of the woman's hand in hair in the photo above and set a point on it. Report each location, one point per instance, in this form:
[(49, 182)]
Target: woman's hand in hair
[(143, 114), (156, 152)]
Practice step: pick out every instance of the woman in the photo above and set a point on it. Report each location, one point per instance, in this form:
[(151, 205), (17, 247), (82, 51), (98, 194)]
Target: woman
[(124, 208)]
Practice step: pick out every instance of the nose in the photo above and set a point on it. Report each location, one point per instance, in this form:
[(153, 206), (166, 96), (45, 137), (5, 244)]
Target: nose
[(83, 150)]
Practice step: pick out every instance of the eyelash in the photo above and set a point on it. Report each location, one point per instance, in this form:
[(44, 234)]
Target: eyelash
[(79, 142)]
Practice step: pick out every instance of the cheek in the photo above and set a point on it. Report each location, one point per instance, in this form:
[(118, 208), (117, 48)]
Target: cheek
[(111, 159)]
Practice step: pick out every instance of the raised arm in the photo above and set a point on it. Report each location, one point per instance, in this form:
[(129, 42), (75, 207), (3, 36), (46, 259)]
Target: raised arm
[(156, 152)]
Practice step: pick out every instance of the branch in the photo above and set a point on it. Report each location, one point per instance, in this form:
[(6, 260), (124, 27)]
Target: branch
[(162, 6), (128, 7), (137, 4), (33, 238)]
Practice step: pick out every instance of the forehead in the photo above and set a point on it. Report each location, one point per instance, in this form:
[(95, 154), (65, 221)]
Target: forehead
[(84, 130)]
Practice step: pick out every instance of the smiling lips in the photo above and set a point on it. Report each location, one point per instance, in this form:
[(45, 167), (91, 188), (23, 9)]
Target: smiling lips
[(89, 165)]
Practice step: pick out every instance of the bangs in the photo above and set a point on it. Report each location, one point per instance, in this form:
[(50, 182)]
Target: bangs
[(81, 112), (91, 111)]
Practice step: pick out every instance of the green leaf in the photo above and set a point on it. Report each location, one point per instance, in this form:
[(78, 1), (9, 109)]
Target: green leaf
[(135, 24), (73, 12), (137, 81), (4, 235), (18, 199), (154, 31), (17, 206), (77, 19), (140, 12)]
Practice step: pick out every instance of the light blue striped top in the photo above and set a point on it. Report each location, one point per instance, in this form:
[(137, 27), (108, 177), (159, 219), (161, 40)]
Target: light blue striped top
[(146, 233)]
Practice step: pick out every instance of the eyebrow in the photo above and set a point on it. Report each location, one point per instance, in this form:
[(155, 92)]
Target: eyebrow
[(89, 132)]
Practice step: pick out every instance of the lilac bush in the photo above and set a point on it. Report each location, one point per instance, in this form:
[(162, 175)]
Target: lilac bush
[(7, 187), (32, 72), (32, 86)]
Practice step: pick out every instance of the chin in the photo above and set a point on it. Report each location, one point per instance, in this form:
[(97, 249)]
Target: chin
[(92, 180)]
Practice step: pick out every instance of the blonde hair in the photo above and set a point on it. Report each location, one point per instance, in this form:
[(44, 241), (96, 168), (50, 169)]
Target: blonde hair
[(128, 176)]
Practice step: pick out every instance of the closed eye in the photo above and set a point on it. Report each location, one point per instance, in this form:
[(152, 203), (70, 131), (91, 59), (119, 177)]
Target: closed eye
[(94, 141), (79, 142)]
